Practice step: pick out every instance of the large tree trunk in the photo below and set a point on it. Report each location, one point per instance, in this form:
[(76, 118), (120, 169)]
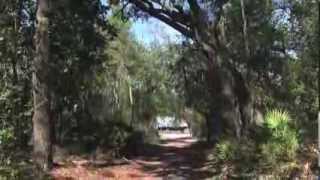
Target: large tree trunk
[(231, 97), (213, 123), (40, 79)]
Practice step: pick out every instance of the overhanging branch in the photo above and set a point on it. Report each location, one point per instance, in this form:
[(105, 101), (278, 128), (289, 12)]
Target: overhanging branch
[(176, 20)]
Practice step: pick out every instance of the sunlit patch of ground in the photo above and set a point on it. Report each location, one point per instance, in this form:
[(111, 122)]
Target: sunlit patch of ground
[(179, 140), (174, 158), (87, 173)]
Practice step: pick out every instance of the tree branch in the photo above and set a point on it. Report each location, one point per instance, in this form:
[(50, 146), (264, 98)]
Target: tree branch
[(195, 8), (176, 20)]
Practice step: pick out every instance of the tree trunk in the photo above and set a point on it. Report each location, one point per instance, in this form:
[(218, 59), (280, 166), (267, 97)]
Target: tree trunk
[(209, 129), (41, 97), (231, 97), (244, 29)]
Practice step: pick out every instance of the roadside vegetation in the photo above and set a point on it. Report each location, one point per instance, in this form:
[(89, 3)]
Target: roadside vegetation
[(76, 82)]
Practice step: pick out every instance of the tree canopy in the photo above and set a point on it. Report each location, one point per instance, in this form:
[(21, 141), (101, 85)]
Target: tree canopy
[(244, 77)]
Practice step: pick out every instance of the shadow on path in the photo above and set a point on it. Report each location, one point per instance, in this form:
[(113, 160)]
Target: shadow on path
[(177, 157)]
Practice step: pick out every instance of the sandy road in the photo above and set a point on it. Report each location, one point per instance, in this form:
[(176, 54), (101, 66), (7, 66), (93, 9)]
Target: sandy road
[(178, 156)]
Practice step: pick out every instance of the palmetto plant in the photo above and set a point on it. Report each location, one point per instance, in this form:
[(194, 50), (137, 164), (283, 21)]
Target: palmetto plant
[(276, 118), (282, 140), (277, 121)]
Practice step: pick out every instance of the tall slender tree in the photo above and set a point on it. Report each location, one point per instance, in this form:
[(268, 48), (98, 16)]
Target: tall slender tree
[(40, 80)]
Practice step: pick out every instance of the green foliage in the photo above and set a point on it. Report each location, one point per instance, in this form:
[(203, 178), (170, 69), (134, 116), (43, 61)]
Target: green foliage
[(6, 137), (10, 174), (105, 85), (277, 121), (6, 147), (16, 54), (303, 72), (271, 152), (197, 123), (130, 87), (117, 135), (281, 139), (226, 150), (9, 162)]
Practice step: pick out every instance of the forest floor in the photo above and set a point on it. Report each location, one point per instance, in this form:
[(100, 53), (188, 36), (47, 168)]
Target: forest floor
[(178, 156)]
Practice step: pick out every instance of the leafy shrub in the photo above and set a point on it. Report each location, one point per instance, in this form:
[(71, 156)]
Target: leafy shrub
[(6, 136), (6, 142), (270, 152), (226, 150), (281, 138), (8, 169), (291, 144), (117, 134)]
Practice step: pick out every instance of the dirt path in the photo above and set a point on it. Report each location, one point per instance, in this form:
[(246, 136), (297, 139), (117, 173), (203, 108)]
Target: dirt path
[(177, 157)]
